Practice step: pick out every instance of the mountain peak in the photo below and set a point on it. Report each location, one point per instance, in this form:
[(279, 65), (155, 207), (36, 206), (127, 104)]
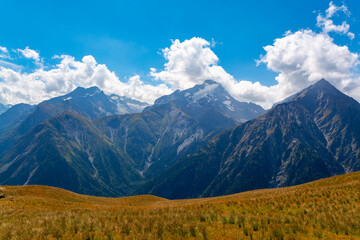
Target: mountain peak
[(199, 91), (322, 98), (82, 90), (79, 92), (209, 81), (323, 84), (321, 89), (322, 81), (211, 95), (94, 89)]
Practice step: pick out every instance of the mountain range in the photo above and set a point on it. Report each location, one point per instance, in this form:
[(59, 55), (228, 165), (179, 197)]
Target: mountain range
[(313, 135), (193, 143)]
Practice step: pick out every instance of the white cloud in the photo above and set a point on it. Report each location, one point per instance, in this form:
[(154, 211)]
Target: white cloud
[(327, 24), (3, 49), (9, 65), (334, 9), (4, 52), (300, 58), (188, 63), (192, 62), (31, 54), (17, 87), (304, 57), (136, 89)]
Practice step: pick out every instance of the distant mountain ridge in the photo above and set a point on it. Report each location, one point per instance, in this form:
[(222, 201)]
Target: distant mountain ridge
[(101, 104), (91, 103), (14, 116), (212, 94)]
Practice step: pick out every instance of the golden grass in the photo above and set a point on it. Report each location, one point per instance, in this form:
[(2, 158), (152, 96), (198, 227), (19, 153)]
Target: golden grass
[(325, 209)]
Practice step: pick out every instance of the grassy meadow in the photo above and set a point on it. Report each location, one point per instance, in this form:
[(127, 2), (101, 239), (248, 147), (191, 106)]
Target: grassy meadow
[(325, 209)]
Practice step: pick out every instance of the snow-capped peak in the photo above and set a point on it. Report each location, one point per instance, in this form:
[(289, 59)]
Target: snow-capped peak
[(206, 91)]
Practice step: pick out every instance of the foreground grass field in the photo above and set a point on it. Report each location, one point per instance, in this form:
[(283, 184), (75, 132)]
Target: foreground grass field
[(325, 209)]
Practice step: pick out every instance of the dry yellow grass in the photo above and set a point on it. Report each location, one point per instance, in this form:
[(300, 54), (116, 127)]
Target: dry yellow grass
[(325, 209)]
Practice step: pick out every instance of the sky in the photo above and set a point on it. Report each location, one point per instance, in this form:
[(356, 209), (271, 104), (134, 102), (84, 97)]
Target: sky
[(261, 51)]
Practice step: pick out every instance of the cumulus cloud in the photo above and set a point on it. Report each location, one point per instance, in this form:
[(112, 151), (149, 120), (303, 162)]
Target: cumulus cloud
[(5, 59), (3, 49), (31, 54), (192, 62), (188, 63), (301, 58), (327, 24), (4, 52), (17, 87), (304, 57)]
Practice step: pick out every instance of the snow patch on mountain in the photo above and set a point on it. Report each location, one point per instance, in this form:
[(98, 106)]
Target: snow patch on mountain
[(91, 159), (30, 176), (180, 129), (206, 91), (228, 105), (197, 135), (5, 166), (113, 132), (135, 106)]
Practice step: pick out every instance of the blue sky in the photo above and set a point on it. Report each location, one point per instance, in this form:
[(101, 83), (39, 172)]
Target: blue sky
[(128, 36)]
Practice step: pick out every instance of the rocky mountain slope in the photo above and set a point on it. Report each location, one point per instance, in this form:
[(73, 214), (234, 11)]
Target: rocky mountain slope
[(68, 151)]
